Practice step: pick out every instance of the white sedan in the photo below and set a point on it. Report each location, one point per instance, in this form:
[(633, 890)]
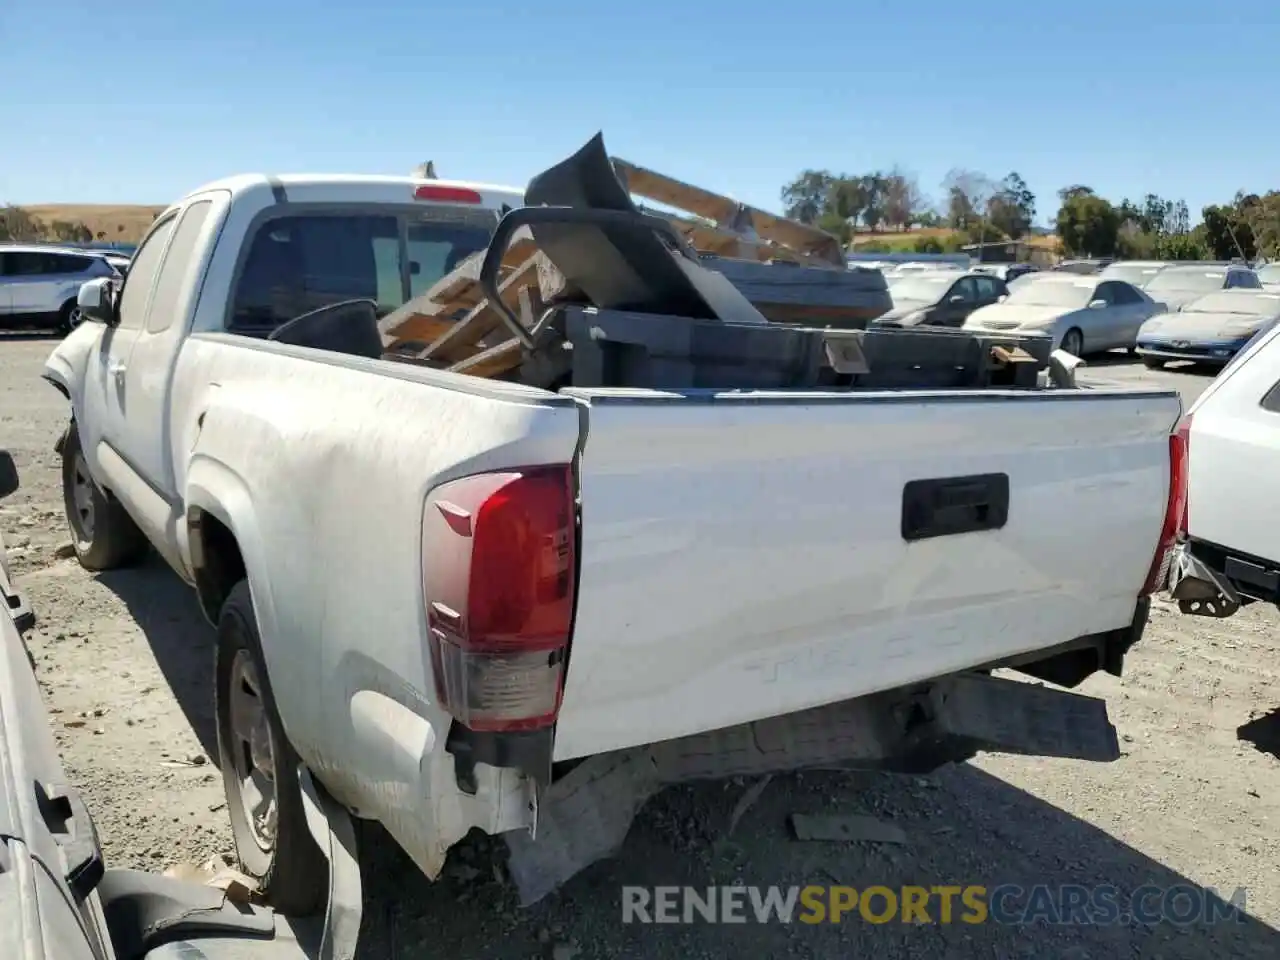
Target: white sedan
[(1083, 314)]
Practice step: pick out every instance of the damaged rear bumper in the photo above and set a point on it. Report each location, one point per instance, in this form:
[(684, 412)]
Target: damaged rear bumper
[(1198, 588), (584, 816)]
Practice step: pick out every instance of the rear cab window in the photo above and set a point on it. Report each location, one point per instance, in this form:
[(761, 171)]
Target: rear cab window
[(296, 262)]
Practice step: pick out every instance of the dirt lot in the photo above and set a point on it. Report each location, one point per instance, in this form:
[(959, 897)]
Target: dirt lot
[(125, 661)]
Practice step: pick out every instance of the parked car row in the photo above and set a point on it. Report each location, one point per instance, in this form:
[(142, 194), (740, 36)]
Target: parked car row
[(1163, 311)]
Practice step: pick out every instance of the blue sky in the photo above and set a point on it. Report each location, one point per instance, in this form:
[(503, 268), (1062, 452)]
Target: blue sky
[(1129, 96)]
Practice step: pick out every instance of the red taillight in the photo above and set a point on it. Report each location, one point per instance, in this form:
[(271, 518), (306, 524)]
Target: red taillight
[(442, 194), (1175, 513), (498, 573), (1184, 510)]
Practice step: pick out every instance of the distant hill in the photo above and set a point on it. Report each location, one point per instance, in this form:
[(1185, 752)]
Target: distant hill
[(122, 223)]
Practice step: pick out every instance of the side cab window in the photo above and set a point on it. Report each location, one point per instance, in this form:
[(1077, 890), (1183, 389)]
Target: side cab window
[(136, 292)]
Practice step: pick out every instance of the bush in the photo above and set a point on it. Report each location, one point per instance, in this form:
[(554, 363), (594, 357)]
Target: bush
[(927, 245), (985, 233)]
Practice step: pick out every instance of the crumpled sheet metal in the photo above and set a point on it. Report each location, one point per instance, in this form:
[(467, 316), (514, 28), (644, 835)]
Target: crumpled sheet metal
[(1198, 588)]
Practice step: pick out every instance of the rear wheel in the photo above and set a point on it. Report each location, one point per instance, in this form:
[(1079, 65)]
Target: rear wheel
[(103, 534), (1073, 342), (260, 770)]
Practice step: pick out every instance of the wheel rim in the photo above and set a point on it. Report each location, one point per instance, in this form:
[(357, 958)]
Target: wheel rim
[(253, 752), (74, 318), (82, 499)]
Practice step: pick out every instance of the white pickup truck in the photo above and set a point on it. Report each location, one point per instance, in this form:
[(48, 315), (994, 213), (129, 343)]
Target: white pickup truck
[(459, 603)]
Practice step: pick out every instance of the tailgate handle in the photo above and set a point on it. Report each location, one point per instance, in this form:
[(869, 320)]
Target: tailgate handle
[(950, 505)]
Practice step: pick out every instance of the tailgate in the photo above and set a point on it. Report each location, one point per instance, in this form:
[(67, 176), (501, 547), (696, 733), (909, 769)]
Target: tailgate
[(743, 556)]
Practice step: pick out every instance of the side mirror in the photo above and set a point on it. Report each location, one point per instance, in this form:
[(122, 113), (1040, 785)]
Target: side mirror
[(96, 301), (1097, 304), (955, 298), (8, 474)]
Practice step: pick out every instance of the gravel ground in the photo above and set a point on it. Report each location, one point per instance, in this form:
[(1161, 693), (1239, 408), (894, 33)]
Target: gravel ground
[(125, 661)]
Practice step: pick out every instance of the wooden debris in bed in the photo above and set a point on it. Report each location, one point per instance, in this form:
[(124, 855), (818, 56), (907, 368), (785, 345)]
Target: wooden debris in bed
[(729, 228), (433, 313), (453, 326)]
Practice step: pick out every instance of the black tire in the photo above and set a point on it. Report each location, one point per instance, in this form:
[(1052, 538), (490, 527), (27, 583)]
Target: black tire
[(1153, 363), (67, 317), (103, 534), (1073, 338), (289, 867)]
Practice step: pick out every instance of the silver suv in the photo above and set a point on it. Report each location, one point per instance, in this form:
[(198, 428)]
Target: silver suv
[(38, 284)]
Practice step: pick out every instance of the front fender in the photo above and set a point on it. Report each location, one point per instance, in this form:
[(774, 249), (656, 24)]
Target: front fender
[(67, 365)]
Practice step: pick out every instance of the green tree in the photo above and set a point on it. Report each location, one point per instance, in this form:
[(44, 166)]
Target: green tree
[(847, 198), (1013, 207), (839, 227), (969, 195), (806, 197), (1087, 224), (902, 199), (875, 199), (1227, 234), (1132, 242), (1156, 214), (1180, 246), (960, 212), (1073, 191)]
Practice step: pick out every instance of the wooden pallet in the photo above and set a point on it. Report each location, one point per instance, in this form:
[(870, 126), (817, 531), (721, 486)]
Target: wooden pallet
[(434, 313)]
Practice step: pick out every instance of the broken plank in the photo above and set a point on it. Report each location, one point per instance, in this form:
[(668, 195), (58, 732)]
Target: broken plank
[(492, 362), (431, 313), (803, 239), (843, 829), (467, 273), (483, 319)]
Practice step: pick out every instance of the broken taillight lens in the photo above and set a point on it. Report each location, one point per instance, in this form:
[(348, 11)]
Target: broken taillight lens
[(499, 569)]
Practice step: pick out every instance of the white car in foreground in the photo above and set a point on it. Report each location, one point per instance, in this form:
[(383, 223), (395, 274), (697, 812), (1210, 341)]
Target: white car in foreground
[(1229, 550), (1083, 314)]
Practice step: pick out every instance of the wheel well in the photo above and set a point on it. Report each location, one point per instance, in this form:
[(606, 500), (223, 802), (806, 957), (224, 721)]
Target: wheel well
[(216, 559)]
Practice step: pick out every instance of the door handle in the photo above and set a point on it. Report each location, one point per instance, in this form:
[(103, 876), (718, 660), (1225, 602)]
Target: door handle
[(116, 369)]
